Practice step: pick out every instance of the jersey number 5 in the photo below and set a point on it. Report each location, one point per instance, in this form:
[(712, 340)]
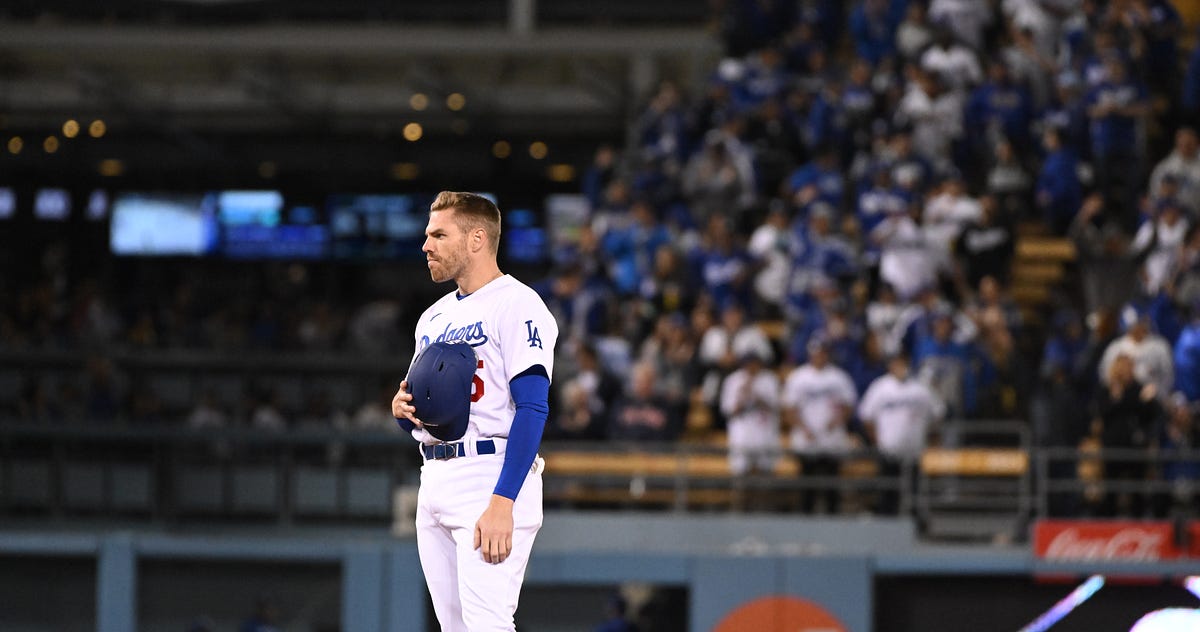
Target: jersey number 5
[(477, 384), (534, 339)]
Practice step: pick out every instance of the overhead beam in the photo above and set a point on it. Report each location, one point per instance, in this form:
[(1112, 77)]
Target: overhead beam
[(299, 41)]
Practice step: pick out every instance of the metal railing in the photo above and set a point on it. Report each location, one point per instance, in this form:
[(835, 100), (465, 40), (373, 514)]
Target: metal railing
[(1072, 480), (170, 475), (175, 475)]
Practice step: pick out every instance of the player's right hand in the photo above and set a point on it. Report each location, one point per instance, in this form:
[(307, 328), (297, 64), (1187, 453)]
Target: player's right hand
[(402, 407)]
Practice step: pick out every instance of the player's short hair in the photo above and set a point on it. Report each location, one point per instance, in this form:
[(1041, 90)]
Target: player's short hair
[(471, 211)]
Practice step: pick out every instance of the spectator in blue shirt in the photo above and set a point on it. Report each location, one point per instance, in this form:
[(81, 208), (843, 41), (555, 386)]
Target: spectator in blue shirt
[(999, 108), (942, 363), (876, 203), (819, 180), (1067, 112), (765, 78), (662, 127), (1161, 30), (629, 247), (599, 174), (827, 124), (1187, 360), (1059, 192), (873, 26), (910, 170), (1115, 108), (816, 248), (859, 104), (723, 267)]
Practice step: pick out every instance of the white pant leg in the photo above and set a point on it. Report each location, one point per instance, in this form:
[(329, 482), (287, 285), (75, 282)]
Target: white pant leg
[(439, 563), (458, 491)]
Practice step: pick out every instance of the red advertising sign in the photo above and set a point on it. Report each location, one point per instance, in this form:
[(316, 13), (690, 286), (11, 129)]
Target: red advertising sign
[(1104, 540), (1194, 538)]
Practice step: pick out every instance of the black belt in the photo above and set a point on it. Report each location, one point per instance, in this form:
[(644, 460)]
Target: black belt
[(443, 451)]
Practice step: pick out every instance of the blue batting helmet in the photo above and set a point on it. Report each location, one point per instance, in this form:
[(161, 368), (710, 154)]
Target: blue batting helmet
[(440, 383)]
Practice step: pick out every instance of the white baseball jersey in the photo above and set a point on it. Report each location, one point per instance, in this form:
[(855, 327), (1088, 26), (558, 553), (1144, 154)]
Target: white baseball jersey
[(906, 261), (816, 395), (510, 329), (901, 412), (751, 404)]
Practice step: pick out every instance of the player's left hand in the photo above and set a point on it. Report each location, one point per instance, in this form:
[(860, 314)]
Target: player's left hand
[(402, 405), (494, 529)]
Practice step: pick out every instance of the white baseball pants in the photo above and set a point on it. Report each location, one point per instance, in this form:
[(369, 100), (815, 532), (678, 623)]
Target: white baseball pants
[(468, 593)]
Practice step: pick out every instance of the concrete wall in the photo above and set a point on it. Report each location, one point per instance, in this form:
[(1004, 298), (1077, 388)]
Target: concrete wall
[(114, 581)]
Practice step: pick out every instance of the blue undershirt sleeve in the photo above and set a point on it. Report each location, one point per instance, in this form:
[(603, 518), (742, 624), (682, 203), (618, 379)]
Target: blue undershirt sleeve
[(530, 392), (406, 424)]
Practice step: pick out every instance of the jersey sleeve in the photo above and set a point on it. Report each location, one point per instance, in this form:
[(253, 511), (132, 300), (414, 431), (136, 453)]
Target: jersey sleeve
[(528, 333), (868, 407)]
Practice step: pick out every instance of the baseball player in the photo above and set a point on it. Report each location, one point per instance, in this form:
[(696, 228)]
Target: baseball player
[(480, 502)]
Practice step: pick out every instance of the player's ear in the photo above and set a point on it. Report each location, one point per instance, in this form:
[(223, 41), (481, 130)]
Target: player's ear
[(478, 239)]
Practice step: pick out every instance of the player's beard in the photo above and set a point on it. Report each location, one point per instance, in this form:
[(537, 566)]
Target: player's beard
[(448, 265)]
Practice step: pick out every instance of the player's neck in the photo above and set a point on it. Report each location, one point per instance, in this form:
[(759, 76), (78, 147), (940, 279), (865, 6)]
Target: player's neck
[(478, 278)]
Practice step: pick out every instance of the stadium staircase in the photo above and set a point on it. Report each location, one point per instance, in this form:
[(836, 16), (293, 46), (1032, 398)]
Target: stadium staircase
[(1039, 270)]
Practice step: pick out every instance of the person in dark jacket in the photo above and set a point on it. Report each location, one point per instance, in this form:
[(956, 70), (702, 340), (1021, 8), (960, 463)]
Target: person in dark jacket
[(1126, 415)]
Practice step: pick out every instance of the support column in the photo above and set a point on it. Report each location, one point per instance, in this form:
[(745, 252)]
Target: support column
[(363, 589), (116, 585), (522, 16), (405, 592)]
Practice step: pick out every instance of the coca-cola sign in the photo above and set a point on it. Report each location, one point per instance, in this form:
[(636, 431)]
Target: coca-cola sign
[(1093, 540)]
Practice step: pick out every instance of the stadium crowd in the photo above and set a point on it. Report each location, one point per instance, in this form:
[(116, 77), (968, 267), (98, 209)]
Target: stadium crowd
[(844, 214), (815, 243)]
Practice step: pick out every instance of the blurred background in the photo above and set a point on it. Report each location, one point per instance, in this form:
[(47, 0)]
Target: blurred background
[(875, 315)]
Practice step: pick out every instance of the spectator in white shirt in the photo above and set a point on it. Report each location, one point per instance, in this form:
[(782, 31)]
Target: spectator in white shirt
[(770, 244), (883, 312), (375, 414), (964, 19), (207, 413), (723, 345), (953, 63), (898, 413), (268, 414), (935, 115), (1160, 239), (1183, 163), (946, 214), (906, 260), (915, 32), (1153, 362), (818, 401), (750, 403)]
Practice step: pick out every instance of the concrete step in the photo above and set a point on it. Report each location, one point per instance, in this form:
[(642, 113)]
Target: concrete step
[(1046, 272), (1026, 294), (1045, 249)]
